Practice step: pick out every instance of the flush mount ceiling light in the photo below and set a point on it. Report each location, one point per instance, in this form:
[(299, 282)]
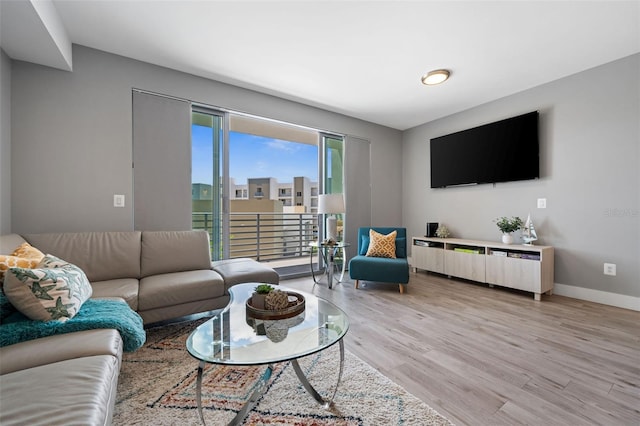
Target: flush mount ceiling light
[(435, 77)]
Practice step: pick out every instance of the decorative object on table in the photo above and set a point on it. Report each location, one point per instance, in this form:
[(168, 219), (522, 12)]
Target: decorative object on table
[(443, 232), (259, 295), (276, 300), (295, 305), (507, 226), (331, 204), (329, 242), (529, 234)]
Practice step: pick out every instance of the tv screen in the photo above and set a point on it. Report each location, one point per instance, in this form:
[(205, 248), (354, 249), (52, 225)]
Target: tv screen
[(503, 151)]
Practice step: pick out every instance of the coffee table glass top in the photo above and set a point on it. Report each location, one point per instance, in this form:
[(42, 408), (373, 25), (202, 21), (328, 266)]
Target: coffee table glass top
[(232, 337)]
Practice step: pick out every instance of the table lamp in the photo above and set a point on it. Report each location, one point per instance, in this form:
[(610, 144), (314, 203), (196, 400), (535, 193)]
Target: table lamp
[(331, 204)]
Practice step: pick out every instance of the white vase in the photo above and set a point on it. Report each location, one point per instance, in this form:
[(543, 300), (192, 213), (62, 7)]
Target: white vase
[(507, 238)]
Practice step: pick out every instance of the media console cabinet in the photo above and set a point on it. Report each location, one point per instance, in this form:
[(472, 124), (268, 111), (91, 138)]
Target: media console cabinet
[(528, 268)]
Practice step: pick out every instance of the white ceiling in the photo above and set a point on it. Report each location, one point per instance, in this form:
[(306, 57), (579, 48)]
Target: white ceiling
[(359, 58)]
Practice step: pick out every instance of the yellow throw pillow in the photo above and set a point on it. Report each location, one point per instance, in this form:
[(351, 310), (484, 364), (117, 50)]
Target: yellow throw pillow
[(382, 245), (25, 256), (28, 251)]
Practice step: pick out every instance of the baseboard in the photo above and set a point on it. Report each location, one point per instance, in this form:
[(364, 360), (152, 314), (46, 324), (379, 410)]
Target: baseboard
[(598, 296)]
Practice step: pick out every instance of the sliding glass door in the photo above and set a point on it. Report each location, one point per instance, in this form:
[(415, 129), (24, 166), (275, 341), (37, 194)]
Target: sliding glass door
[(255, 186), (208, 177), (332, 169)]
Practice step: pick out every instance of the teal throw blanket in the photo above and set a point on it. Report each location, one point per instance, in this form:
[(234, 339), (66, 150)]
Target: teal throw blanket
[(94, 314)]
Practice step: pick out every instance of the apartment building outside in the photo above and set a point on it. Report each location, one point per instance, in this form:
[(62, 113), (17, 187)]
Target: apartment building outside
[(268, 219)]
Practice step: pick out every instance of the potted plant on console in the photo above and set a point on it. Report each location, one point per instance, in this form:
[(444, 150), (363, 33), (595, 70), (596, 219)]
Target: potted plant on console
[(507, 226)]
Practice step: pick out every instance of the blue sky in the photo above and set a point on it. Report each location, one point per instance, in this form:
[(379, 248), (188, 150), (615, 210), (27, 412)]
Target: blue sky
[(254, 156)]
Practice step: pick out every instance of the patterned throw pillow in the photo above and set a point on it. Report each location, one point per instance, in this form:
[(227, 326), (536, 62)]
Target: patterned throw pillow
[(382, 245), (55, 290), (25, 256)]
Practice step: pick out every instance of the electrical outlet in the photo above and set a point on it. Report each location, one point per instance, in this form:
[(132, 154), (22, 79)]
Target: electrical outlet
[(542, 203), (610, 269), (118, 200)]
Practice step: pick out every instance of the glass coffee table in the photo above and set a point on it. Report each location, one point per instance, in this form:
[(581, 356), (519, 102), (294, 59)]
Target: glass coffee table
[(235, 338)]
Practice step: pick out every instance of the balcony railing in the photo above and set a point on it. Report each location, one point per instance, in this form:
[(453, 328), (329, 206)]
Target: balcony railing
[(265, 236)]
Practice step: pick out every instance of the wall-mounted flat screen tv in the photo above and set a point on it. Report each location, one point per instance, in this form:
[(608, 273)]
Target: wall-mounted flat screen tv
[(504, 151)]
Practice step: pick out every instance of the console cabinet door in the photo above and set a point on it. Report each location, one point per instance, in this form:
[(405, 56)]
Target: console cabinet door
[(428, 258), (435, 259), (522, 274), (465, 265)]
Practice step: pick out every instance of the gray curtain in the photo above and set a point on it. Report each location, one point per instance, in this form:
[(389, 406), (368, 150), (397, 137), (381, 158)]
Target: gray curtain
[(161, 163), (357, 176)]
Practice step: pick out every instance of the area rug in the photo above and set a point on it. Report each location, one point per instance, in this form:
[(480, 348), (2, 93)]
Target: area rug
[(157, 387)]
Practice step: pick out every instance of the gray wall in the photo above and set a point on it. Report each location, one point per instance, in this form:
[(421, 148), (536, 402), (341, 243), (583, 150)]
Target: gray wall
[(590, 159), (72, 143), (5, 143)]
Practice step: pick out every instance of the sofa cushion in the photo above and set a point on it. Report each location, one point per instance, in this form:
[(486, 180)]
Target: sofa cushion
[(78, 391), (382, 245), (101, 255), (170, 289), (55, 290), (161, 315), (47, 350), (24, 256), (236, 271), (174, 251), (123, 288)]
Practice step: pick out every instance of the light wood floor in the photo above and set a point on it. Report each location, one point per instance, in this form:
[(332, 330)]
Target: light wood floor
[(489, 356)]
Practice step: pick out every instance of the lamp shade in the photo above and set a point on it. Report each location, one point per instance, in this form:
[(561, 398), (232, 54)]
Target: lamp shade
[(330, 203)]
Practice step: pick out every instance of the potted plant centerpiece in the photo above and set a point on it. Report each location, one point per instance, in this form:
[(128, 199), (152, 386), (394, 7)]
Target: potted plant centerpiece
[(507, 226), (259, 295)]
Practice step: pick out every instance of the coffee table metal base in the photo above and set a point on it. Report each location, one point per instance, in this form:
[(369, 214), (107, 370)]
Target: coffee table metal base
[(305, 382), (248, 406)]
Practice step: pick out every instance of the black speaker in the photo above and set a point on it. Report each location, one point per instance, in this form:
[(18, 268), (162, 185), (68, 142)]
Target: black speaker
[(432, 227)]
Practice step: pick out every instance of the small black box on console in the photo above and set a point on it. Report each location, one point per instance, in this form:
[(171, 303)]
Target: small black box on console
[(432, 227)]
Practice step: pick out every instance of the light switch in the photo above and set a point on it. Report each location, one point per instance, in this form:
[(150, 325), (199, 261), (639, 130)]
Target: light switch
[(542, 203), (610, 269), (118, 200)]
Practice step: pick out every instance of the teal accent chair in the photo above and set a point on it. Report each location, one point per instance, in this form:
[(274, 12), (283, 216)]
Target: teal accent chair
[(381, 269)]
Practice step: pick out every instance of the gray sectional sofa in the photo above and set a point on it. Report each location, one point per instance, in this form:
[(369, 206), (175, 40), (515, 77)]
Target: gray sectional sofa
[(162, 275)]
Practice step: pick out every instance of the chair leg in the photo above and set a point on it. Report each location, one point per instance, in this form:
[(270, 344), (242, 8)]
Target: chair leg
[(401, 288), (357, 284)]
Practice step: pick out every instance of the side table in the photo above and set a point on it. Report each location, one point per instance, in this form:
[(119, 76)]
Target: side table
[(328, 253)]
